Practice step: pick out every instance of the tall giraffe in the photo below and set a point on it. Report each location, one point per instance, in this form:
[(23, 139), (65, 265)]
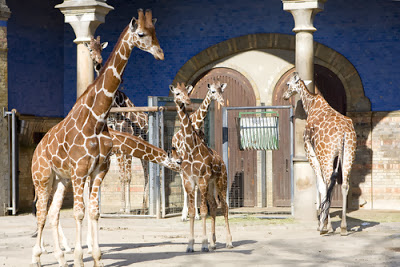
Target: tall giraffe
[(214, 92), (200, 166), (79, 146), (135, 123), (328, 134)]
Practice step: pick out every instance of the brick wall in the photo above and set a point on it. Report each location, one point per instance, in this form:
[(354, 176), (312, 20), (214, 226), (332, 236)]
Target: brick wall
[(375, 178)]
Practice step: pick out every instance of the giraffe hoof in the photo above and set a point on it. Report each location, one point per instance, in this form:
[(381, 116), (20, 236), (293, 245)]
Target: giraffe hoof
[(36, 264), (229, 245), (205, 249), (213, 247), (189, 250), (323, 231), (343, 232)]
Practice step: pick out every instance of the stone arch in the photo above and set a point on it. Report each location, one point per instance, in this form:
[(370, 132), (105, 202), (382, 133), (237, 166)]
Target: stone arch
[(324, 56)]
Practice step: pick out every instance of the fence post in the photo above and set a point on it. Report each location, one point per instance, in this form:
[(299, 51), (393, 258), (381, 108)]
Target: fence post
[(152, 166), (225, 147)]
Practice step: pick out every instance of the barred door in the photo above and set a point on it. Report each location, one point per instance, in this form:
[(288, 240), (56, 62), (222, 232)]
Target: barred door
[(242, 164)]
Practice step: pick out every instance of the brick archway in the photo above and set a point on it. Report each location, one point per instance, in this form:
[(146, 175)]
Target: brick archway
[(324, 56)]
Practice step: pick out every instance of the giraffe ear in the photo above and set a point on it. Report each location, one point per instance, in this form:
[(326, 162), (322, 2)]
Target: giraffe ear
[(133, 25), (189, 89), (171, 88), (307, 82), (104, 45), (223, 87), (154, 22)]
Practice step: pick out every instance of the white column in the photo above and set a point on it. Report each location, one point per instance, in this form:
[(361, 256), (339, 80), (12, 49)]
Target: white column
[(84, 16), (303, 12)]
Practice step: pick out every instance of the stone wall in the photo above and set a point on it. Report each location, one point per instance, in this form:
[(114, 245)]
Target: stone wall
[(375, 178), (4, 165)]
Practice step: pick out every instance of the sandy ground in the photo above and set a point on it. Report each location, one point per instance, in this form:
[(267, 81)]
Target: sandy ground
[(373, 240)]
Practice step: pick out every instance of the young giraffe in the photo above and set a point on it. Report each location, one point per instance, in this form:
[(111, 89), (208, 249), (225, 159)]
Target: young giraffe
[(214, 92), (135, 123), (79, 146), (328, 134), (200, 166), (95, 48)]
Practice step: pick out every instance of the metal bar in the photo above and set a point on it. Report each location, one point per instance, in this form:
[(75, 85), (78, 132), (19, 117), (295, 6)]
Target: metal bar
[(107, 215), (225, 155), (152, 173), (162, 186), (14, 162), (146, 109), (9, 159), (291, 118), (157, 167)]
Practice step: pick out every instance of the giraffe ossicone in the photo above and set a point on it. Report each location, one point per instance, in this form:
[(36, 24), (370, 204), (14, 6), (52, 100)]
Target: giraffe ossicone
[(327, 135)]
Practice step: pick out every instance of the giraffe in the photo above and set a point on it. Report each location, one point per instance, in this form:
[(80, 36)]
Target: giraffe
[(214, 92), (135, 123), (95, 48), (328, 134), (200, 166), (78, 147)]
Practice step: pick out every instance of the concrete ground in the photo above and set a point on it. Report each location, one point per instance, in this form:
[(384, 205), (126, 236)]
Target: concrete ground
[(259, 240)]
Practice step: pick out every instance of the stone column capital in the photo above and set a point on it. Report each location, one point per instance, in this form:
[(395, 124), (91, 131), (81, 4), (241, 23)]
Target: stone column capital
[(5, 12), (84, 16), (303, 12)]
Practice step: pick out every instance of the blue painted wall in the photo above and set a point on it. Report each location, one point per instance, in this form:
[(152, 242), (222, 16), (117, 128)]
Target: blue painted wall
[(35, 58), (366, 32)]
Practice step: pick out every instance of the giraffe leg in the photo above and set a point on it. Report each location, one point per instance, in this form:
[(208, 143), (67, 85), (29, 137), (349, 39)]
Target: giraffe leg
[(203, 212), (146, 186), (189, 188), (121, 164), (221, 189), (54, 218), (196, 209), (79, 213), (213, 213), (185, 202), (42, 182), (312, 159), (348, 158), (88, 190), (128, 170), (94, 213)]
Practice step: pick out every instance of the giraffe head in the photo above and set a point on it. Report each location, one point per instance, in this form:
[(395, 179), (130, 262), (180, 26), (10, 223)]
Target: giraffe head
[(144, 34), (295, 85), (181, 94), (95, 49), (215, 91)]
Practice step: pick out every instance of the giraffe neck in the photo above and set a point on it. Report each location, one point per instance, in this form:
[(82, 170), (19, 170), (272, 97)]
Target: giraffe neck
[(100, 94), (127, 144), (200, 114), (307, 98), (186, 125)]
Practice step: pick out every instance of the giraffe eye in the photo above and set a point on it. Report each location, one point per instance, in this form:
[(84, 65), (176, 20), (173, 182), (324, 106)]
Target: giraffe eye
[(178, 93), (141, 34)]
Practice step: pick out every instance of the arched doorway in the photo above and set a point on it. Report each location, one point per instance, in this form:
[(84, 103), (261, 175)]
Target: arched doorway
[(331, 88), (242, 164)]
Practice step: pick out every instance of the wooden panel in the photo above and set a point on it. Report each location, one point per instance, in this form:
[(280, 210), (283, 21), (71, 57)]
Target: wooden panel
[(242, 164)]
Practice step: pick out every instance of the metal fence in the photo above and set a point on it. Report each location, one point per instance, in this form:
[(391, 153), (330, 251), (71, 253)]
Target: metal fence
[(154, 191)]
